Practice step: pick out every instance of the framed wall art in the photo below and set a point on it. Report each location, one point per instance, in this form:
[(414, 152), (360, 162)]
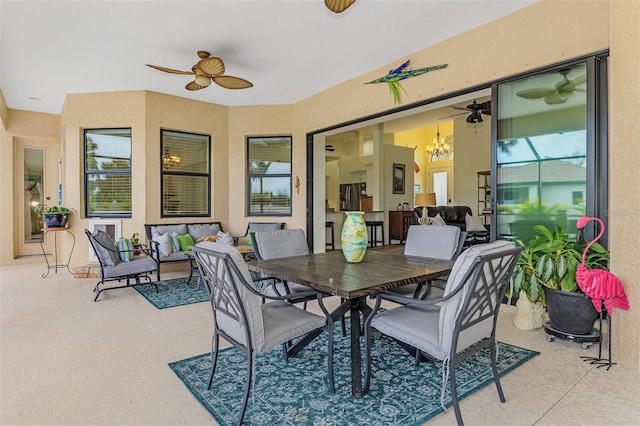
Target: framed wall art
[(398, 178)]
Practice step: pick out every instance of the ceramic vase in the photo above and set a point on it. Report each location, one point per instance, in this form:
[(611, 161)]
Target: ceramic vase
[(354, 237), (529, 316)]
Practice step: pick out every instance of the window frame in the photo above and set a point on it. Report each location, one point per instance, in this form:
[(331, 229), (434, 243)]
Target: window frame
[(250, 176), (88, 173), (167, 172)]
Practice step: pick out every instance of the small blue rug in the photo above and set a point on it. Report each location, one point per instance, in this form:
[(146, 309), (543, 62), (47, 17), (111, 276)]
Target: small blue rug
[(297, 392), (175, 292)]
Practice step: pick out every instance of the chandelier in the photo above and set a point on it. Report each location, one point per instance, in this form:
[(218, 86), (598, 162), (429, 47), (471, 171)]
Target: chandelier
[(439, 147), (169, 160)]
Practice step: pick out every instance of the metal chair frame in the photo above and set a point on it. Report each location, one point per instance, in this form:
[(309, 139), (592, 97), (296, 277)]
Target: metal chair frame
[(483, 287)]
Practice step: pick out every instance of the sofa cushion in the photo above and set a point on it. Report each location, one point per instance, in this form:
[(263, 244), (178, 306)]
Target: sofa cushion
[(474, 224), (170, 229), (200, 230), (164, 243), (438, 220)]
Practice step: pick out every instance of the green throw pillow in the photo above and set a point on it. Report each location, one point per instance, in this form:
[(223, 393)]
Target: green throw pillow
[(186, 241), (250, 238)]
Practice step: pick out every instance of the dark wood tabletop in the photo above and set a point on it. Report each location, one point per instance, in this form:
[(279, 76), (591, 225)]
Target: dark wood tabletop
[(382, 269)]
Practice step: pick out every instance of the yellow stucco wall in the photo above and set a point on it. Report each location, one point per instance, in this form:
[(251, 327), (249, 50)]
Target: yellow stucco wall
[(624, 163), (533, 37)]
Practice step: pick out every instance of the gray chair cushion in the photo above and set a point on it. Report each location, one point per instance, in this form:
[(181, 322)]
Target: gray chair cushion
[(251, 302), (430, 328), (137, 265), (284, 321), (281, 243), (106, 250), (202, 230), (269, 226), (438, 242), (173, 256)]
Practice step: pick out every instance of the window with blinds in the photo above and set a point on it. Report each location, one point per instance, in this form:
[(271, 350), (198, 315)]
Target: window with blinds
[(269, 176), (107, 172), (186, 178)]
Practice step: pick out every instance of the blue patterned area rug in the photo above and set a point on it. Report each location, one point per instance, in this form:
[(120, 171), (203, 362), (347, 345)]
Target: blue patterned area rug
[(175, 292), (297, 392)]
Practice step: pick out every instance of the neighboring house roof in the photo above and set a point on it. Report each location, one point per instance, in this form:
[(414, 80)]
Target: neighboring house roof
[(557, 171)]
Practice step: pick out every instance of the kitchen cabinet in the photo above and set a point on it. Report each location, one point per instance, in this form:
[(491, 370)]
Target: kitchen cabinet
[(399, 223)]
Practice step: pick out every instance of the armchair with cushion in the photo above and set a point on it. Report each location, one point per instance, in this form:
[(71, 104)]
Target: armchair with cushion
[(119, 265), (243, 320), (258, 226), (457, 325)]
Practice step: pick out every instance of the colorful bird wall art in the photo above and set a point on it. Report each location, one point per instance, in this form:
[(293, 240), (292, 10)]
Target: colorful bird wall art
[(401, 73)]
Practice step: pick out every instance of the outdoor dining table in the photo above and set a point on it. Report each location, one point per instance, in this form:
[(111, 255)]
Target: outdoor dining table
[(382, 269)]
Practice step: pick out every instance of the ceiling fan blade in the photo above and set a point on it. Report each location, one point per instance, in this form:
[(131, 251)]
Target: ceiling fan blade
[(231, 82), (535, 93), (338, 6), (557, 98), (579, 80), (459, 107), (194, 86), (212, 66), (454, 115), (169, 70)]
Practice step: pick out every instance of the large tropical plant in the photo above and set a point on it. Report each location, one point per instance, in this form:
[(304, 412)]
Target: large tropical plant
[(551, 259)]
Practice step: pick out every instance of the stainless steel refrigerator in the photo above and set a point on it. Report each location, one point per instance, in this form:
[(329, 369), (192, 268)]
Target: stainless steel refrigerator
[(350, 194)]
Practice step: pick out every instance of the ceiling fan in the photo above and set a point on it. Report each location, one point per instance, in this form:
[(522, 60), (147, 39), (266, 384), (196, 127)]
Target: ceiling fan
[(338, 6), (557, 94), (209, 68), (476, 109)]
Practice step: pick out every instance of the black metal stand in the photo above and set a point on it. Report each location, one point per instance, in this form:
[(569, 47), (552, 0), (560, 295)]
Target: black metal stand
[(599, 361), (55, 266)]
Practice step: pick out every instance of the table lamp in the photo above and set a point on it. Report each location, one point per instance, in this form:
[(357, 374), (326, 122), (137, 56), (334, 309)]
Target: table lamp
[(425, 199)]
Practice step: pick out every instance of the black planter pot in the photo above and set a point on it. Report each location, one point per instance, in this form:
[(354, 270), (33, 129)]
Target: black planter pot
[(55, 220), (570, 312)]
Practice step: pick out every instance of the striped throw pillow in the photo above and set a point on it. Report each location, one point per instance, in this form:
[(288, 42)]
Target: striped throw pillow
[(125, 247)]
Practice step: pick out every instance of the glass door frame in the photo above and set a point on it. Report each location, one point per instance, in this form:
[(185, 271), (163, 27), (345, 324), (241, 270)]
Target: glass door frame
[(597, 149)]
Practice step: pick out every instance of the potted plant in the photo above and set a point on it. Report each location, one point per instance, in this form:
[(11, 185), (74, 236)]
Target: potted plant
[(546, 274), (135, 241), (53, 216)]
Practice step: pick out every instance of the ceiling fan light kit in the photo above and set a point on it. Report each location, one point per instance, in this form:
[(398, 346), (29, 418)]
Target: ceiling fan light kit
[(476, 110), (208, 69)]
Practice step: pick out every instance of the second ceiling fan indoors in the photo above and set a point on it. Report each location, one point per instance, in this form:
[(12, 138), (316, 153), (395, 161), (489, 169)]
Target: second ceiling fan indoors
[(476, 109)]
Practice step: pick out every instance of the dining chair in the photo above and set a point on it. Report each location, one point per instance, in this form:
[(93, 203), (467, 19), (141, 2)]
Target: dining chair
[(457, 325), (437, 242), (276, 244), (243, 320)]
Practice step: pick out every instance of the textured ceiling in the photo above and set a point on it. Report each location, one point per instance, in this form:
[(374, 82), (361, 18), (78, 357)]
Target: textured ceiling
[(289, 50)]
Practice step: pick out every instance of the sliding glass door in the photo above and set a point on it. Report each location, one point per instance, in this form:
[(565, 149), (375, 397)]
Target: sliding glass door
[(545, 154)]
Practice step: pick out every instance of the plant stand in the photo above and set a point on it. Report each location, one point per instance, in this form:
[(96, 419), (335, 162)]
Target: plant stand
[(586, 340)]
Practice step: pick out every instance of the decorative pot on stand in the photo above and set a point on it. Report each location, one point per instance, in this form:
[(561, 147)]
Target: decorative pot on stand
[(354, 237)]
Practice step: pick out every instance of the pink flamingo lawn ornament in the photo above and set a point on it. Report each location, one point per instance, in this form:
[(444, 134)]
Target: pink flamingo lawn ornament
[(602, 287)]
